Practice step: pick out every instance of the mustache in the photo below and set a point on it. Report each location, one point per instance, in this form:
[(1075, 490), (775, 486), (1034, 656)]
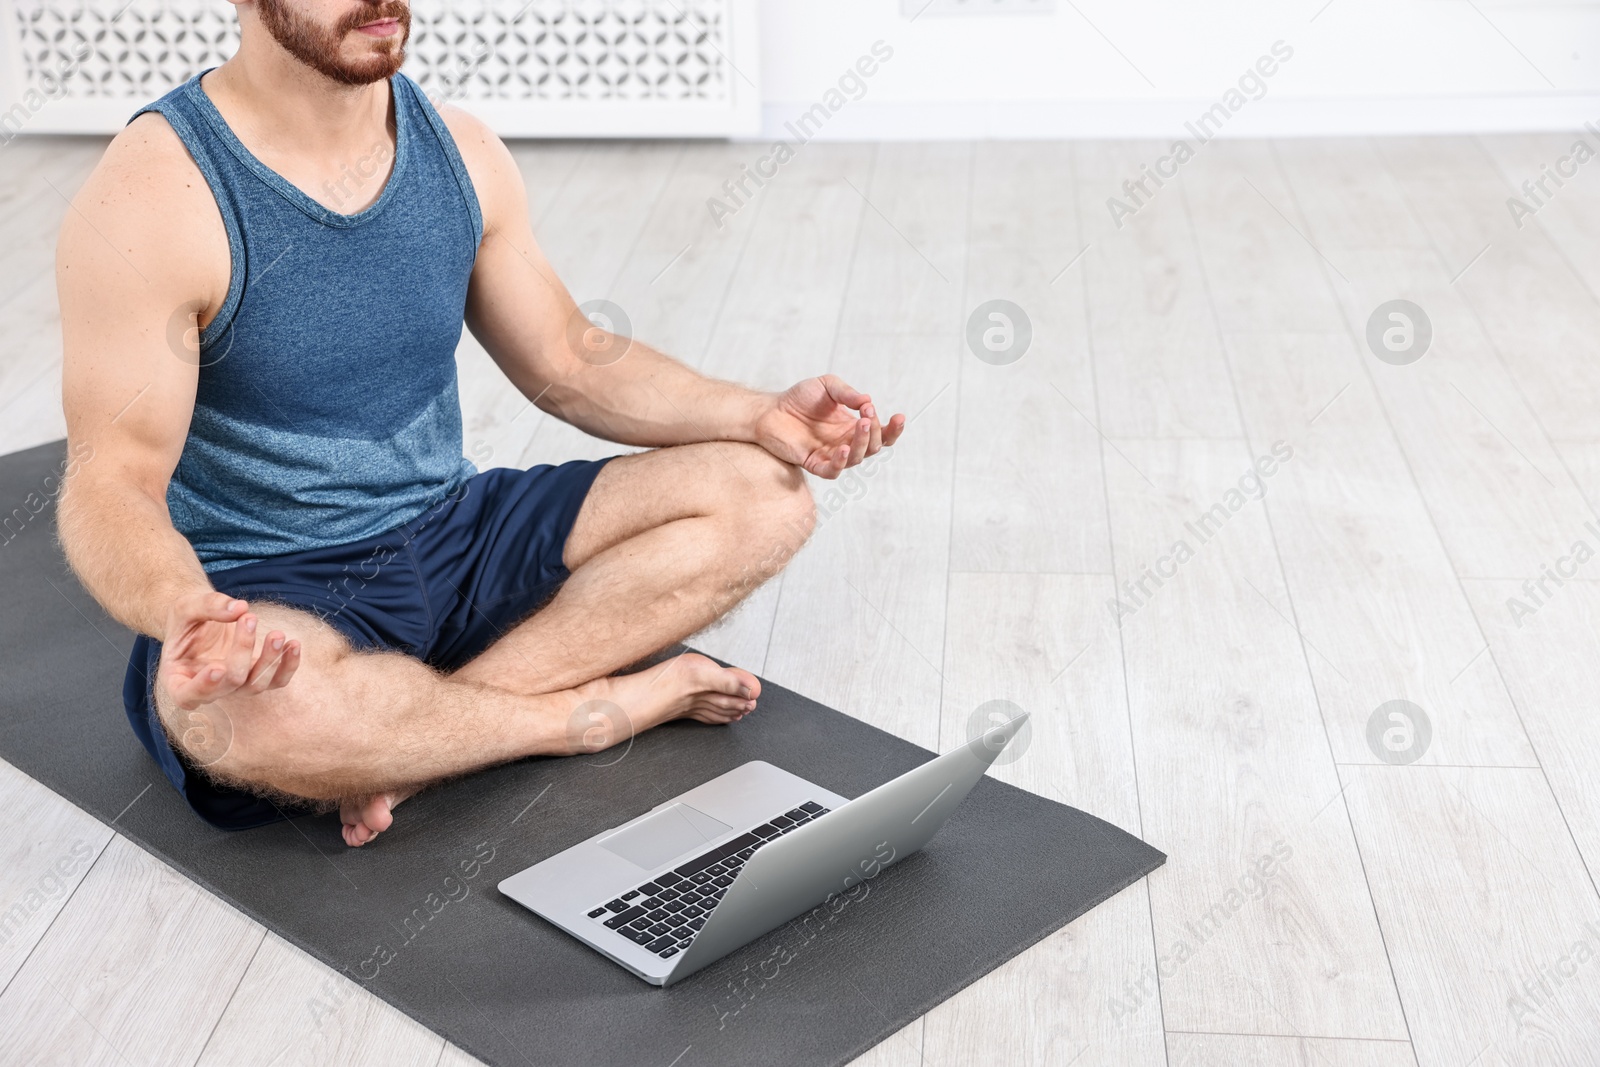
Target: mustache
[(389, 9)]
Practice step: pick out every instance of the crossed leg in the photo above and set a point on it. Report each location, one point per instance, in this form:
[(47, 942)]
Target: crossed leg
[(665, 542)]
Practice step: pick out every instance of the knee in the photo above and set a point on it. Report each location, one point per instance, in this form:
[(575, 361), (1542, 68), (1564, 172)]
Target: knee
[(771, 501), (770, 484), (790, 506), (281, 739)]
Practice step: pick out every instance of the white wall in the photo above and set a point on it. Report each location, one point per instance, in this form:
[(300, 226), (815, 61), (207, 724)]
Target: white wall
[(1358, 66)]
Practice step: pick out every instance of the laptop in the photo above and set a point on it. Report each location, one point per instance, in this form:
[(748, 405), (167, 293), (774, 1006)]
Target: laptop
[(714, 868)]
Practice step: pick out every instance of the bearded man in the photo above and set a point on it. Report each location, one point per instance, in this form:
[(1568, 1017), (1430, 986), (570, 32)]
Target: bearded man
[(335, 608)]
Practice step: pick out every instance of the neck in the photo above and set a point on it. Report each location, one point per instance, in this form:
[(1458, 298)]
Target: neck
[(286, 104)]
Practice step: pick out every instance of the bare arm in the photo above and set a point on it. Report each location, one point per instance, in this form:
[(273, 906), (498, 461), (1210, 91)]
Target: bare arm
[(121, 275), (618, 388), (135, 261)]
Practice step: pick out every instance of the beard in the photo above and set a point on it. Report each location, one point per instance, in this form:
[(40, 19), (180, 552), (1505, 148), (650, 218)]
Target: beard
[(319, 46)]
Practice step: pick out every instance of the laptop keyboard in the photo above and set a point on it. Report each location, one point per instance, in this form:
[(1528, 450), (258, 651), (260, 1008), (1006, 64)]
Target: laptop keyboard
[(665, 913)]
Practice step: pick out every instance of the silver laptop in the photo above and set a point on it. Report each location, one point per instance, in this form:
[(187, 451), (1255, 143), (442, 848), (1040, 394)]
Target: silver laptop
[(712, 869)]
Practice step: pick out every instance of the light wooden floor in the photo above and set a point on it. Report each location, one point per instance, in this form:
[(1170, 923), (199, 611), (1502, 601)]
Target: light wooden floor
[(1438, 912)]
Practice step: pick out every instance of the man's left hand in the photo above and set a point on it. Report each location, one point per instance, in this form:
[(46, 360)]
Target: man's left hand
[(825, 426)]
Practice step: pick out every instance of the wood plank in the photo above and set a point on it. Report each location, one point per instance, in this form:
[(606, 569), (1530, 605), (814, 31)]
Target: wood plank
[(903, 1048), (454, 1057), (47, 846), (290, 1009), (1534, 308), (1373, 589), (1491, 480), (547, 167), (1484, 904), (1237, 1050), (1040, 228), (137, 969), (1366, 570), (906, 277), (35, 163), (30, 370), (1028, 494), (675, 279), (1044, 643), (1159, 368), (1544, 639), (37, 185), (781, 314), (1582, 460), (40, 178), (1256, 252), (1568, 214), (1060, 1001), (1360, 208), (1261, 912), (590, 225)]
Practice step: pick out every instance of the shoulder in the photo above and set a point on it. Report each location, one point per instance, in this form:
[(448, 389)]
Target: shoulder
[(146, 166), (495, 177), (147, 200)]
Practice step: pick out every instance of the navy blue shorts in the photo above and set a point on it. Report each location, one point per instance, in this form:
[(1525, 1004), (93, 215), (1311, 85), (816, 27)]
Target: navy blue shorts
[(440, 588)]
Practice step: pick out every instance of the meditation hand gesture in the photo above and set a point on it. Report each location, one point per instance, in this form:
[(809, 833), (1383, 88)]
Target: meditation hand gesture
[(209, 651), (825, 426)]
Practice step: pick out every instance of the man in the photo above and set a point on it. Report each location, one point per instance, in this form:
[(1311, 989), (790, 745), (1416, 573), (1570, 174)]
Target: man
[(338, 609)]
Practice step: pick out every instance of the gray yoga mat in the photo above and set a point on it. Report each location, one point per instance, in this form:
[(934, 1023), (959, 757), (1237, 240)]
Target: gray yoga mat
[(416, 918)]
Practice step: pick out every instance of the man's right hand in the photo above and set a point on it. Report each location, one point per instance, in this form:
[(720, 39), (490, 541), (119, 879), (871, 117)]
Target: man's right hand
[(209, 651)]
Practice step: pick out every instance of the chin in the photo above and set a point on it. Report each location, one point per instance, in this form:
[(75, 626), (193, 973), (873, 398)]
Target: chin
[(372, 68)]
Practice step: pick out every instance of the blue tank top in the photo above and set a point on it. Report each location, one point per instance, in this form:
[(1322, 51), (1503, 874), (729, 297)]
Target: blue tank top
[(327, 408)]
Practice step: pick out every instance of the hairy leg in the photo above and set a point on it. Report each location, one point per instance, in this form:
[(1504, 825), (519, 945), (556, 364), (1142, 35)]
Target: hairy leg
[(666, 542), (367, 724)]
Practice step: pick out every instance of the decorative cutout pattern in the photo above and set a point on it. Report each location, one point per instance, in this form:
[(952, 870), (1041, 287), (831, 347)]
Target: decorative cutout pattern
[(670, 51)]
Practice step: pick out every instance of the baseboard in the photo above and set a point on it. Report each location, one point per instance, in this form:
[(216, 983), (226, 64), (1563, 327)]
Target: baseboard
[(868, 120)]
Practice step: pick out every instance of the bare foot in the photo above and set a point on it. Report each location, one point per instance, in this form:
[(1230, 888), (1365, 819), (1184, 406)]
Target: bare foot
[(689, 686), (365, 818)]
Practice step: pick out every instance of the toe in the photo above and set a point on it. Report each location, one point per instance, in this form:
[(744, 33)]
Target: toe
[(706, 711), (749, 684), (366, 819), (710, 676), (378, 814), (736, 683), (350, 816)]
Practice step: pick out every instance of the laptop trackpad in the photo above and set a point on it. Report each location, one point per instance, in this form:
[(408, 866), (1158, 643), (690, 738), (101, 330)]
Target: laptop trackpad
[(670, 832)]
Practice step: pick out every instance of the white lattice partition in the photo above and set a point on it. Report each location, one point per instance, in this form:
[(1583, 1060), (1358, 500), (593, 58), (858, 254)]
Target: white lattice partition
[(606, 68)]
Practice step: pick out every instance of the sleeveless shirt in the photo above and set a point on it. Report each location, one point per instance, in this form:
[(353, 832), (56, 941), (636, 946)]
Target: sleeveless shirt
[(327, 408)]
